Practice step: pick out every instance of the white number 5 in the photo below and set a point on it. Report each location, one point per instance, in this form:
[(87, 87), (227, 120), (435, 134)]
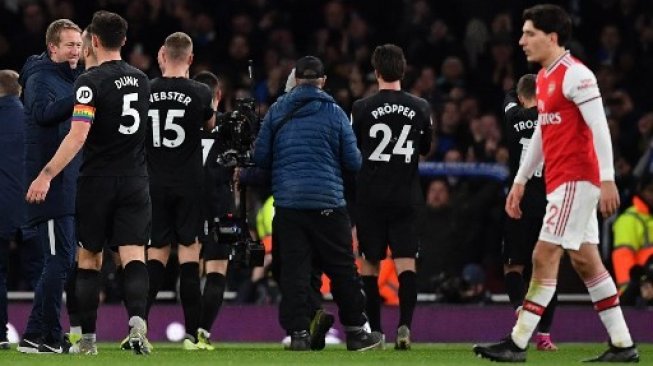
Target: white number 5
[(127, 110), (402, 147)]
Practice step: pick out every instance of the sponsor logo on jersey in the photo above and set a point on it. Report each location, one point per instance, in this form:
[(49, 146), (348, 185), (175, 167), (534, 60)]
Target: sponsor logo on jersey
[(549, 118), (84, 95)]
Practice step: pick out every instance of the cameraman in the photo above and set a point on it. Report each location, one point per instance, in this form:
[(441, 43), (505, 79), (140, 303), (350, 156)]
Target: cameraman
[(306, 141)]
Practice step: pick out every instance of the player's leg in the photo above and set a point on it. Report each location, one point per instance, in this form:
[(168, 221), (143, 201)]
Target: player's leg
[(189, 291), (402, 233), (163, 235), (371, 229), (88, 297), (131, 222), (407, 300), (157, 259), (546, 261), (75, 333), (603, 292), (369, 270), (520, 237), (213, 296), (515, 258), (187, 228)]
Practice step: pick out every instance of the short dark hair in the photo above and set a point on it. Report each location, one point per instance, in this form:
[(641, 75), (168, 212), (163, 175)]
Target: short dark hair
[(550, 19), (110, 28), (526, 86), (208, 78), (389, 61), (178, 46)]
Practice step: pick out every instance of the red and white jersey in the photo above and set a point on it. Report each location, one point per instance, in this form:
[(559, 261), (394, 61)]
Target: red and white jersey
[(567, 142)]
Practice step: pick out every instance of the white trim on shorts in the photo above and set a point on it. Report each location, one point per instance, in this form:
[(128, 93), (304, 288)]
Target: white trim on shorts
[(570, 218), (52, 238)]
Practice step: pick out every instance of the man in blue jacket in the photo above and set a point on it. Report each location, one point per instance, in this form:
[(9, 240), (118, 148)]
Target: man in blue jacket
[(12, 171), (306, 140), (47, 81)]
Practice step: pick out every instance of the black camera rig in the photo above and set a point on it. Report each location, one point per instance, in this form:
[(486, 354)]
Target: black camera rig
[(235, 135)]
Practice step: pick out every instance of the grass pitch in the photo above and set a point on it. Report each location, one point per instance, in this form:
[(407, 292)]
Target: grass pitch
[(273, 354)]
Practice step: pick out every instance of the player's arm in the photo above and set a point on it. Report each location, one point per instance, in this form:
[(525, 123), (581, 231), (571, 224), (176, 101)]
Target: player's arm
[(580, 86), (209, 110), (69, 147), (350, 155), (355, 124), (513, 109), (427, 131), (534, 157)]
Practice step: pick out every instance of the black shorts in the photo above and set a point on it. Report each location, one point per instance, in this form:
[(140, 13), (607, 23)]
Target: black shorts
[(176, 215), (212, 250), (519, 239), (113, 211), (377, 228)]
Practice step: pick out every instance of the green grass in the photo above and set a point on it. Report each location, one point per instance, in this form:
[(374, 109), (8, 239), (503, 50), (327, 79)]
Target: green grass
[(273, 354)]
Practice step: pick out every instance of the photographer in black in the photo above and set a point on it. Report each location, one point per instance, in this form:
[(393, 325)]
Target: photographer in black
[(306, 141)]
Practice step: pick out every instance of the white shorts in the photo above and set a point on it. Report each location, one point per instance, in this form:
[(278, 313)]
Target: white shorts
[(570, 218)]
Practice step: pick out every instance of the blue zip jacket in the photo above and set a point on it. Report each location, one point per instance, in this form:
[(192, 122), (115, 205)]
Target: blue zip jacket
[(48, 100), (12, 167), (308, 153)]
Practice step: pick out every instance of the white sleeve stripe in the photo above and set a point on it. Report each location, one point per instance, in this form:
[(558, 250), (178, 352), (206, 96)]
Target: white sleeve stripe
[(510, 106)]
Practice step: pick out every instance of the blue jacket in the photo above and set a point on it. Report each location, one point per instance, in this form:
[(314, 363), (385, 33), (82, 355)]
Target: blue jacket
[(48, 100), (308, 153), (12, 167)]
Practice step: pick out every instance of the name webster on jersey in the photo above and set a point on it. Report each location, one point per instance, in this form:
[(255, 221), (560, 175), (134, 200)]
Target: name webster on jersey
[(170, 95), (393, 108)]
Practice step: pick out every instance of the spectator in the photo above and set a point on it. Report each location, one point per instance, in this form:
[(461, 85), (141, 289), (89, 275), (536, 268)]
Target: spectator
[(633, 234)]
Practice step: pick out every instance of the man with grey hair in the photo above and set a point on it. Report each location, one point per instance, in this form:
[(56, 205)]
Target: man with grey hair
[(47, 81)]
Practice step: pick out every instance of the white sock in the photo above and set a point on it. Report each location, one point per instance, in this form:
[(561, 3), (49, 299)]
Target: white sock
[(603, 293), (76, 330), (540, 293)]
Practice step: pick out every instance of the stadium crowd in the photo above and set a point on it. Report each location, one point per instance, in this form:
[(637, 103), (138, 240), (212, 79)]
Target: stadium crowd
[(462, 56)]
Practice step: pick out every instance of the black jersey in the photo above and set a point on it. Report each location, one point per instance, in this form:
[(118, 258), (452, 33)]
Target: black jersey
[(520, 125), (392, 129), (114, 98), (217, 178), (178, 109)]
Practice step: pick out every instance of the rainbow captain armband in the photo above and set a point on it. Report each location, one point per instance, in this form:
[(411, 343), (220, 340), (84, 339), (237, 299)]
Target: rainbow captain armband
[(83, 113)]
